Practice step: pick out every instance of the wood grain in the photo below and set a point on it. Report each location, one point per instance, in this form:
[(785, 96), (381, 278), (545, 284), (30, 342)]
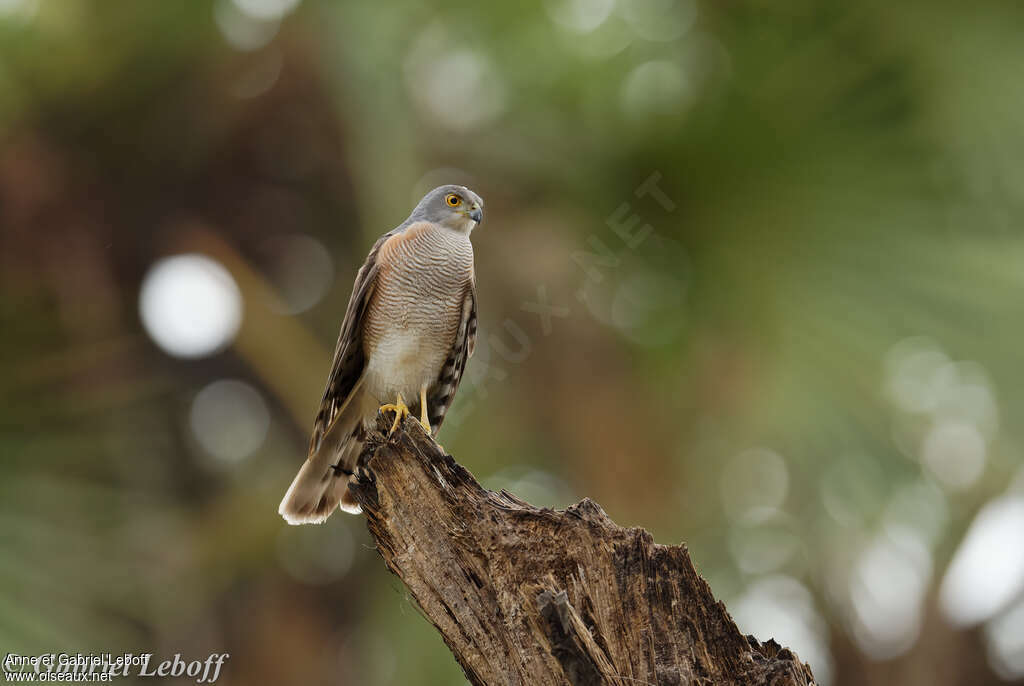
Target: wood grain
[(527, 596)]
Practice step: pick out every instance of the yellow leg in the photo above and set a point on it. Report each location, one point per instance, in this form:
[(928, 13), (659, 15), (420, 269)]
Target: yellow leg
[(424, 418), (400, 410)]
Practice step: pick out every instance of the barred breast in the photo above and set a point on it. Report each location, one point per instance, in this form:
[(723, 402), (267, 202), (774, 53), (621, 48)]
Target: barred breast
[(414, 314)]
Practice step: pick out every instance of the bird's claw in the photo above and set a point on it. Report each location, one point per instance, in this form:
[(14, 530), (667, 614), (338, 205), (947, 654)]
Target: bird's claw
[(399, 408)]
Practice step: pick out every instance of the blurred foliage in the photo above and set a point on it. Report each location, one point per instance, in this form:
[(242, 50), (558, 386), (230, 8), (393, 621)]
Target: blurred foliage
[(805, 365)]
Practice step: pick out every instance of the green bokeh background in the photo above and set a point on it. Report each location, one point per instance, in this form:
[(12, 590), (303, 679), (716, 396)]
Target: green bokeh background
[(806, 365)]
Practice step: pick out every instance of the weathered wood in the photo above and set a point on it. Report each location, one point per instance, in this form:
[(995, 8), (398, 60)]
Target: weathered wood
[(526, 596)]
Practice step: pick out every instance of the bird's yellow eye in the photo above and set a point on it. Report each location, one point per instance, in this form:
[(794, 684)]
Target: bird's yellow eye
[(453, 200)]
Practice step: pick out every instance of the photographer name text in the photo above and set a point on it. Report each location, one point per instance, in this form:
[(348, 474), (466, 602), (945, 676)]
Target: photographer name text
[(105, 667)]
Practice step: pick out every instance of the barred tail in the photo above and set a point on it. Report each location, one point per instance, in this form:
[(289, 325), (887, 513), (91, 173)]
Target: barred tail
[(322, 482)]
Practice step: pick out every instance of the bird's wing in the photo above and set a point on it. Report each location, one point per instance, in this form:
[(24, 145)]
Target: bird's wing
[(441, 394), (349, 358)]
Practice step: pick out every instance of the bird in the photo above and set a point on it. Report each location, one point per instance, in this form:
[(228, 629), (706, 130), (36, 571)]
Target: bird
[(408, 332)]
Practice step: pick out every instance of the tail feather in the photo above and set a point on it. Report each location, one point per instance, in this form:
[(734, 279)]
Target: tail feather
[(348, 502), (322, 482)]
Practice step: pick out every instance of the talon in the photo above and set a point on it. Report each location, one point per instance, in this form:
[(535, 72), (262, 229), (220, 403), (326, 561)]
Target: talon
[(424, 420), (400, 410)]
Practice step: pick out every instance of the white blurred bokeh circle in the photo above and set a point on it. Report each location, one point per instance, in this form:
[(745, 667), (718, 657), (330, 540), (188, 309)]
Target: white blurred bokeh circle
[(190, 305), (655, 87), (781, 607), (229, 419), (457, 87), (579, 16), (987, 570)]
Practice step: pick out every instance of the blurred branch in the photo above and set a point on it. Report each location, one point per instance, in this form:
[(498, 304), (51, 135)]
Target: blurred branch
[(541, 597), (281, 350)]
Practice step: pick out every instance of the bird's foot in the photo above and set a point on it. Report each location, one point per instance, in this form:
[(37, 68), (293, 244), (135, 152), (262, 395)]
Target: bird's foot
[(424, 422), (399, 408), (426, 425)]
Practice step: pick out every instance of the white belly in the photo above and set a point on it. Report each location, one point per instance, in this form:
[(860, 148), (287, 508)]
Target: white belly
[(402, 362)]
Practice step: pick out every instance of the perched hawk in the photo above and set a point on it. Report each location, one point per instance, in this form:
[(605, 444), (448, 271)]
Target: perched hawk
[(409, 329)]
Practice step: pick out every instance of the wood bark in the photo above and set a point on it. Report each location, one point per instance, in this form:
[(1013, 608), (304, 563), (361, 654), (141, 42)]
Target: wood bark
[(527, 596)]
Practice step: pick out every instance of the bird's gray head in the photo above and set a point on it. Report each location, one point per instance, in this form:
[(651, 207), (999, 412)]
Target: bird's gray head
[(454, 207)]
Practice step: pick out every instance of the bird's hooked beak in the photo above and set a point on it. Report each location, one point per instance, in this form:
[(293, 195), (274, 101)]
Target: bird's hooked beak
[(476, 214)]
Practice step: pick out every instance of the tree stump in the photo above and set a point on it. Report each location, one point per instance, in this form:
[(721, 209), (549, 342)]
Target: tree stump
[(527, 596)]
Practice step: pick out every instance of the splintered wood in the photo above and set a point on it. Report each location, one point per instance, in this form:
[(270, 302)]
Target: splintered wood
[(526, 596)]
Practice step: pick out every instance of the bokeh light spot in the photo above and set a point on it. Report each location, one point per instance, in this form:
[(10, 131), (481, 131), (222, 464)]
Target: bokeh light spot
[(655, 87), (266, 9), (22, 9), (243, 31), (920, 506), (1004, 638), (782, 608), (954, 452), (610, 38), (763, 548), (887, 591), (581, 16), (852, 488), (458, 88), (190, 306), (229, 419), (301, 268), (987, 570), (916, 372), (754, 485)]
